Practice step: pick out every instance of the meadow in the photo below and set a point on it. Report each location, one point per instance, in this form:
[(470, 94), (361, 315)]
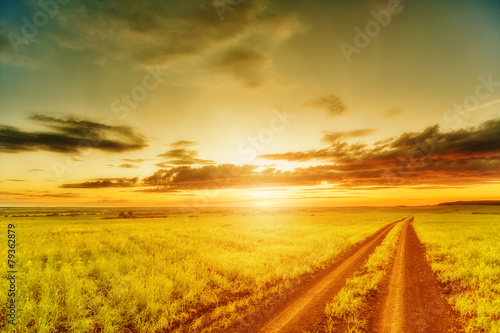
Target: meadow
[(81, 272), (463, 247)]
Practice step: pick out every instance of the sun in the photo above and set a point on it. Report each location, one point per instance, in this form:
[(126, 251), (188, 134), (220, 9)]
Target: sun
[(265, 197)]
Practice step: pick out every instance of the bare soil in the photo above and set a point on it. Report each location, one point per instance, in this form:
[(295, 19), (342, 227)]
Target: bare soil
[(305, 310), (411, 299)]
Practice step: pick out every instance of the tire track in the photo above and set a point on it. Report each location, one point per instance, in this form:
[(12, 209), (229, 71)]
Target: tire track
[(393, 312), (411, 299), (307, 310)]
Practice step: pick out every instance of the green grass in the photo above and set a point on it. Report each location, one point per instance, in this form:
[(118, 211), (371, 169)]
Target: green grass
[(352, 298), (463, 248), (87, 274)]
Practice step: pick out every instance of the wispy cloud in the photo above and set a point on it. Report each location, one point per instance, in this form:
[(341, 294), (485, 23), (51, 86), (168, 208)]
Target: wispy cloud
[(392, 113), (184, 143), (243, 64), (332, 137), (128, 166), (174, 34), (180, 155), (105, 182), (331, 104)]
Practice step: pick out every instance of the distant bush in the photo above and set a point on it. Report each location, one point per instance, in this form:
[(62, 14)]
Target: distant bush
[(124, 215)]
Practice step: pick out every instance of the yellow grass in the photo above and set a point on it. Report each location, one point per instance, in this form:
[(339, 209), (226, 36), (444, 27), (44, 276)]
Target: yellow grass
[(87, 274), (353, 296), (464, 250)]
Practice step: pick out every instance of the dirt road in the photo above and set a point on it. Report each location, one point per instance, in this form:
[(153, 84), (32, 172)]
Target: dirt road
[(411, 299), (307, 310)]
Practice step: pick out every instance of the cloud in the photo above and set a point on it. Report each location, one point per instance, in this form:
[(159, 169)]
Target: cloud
[(5, 46), (232, 176), (163, 31), (128, 166), (392, 113), (331, 104), (39, 195), (180, 35), (105, 182), (243, 64), (332, 137), (134, 160), (184, 143), (70, 135), (482, 141), (429, 157), (248, 176), (182, 156)]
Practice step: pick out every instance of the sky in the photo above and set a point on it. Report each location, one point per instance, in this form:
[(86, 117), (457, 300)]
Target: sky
[(248, 103)]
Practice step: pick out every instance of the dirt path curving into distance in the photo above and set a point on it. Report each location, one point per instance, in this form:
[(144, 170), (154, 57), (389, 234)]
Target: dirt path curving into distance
[(410, 299), (306, 310)]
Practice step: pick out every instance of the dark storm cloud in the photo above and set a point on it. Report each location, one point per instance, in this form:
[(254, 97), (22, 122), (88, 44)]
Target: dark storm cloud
[(70, 134)]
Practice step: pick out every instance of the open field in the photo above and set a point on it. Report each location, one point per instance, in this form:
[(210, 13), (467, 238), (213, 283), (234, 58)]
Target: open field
[(86, 270), (463, 247), (86, 273)]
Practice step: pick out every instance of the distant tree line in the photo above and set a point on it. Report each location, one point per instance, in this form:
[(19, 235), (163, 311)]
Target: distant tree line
[(128, 215)]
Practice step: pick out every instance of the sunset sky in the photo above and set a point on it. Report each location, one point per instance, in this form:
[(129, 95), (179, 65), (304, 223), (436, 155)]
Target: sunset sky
[(248, 103)]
